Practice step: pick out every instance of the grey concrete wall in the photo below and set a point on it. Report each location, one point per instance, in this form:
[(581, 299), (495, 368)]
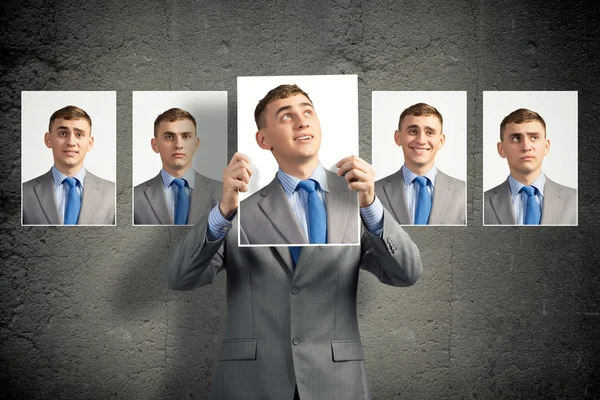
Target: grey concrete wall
[(499, 313)]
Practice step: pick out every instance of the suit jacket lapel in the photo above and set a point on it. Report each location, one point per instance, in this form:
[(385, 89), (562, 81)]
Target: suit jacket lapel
[(396, 197), (199, 199), (442, 194), (155, 195), (276, 209), (89, 199), (44, 191), (339, 202), (502, 206), (283, 253), (303, 263), (553, 201)]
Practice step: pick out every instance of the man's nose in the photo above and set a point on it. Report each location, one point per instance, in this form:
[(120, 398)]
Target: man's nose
[(526, 144), (178, 142), (71, 139), (302, 122)]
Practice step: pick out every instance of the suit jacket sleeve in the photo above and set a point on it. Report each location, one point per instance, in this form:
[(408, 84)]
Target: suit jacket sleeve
[(195, 262), (393, 258)]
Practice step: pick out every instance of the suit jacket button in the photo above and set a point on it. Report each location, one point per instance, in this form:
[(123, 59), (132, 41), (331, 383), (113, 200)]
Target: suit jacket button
[(295, 341), (295, 290)]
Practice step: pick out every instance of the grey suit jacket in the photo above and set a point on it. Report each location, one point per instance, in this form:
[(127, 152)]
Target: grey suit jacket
[(559, 206), (447, 207), (267, 218), (150, 205), (97, 201), (291, 326)]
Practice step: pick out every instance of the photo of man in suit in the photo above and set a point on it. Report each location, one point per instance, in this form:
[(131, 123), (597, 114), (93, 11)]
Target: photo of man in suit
[(68, 194), (292, 328), (527, 196), (419, 193), (289, 127), (178, 194)]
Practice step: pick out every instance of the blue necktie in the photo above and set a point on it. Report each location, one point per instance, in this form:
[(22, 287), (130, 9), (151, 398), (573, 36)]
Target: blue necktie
[(533, 213), (183, 202), (423, 202), (73, 202), (317, 217)]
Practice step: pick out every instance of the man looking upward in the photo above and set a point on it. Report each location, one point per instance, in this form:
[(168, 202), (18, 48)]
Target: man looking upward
[(292, 328)]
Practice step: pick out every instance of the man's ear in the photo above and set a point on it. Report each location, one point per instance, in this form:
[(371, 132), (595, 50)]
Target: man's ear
[(154, 145), (397, 138), (500, 148), (547, 147), (48, 140), (91, 143), (442, 140), (197, 144), (263, 141)]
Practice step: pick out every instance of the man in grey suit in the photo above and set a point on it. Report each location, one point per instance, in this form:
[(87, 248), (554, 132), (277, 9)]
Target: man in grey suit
[(527, 196), (420, 134), (178, 194), (68, 194), (292, 329)]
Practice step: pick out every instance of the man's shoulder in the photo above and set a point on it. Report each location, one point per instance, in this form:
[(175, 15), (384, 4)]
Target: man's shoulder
[(567, 190), (140, 187), (495, 190), (203, 180), (389, 178), (458, 183), (32, 182), (99, 181)]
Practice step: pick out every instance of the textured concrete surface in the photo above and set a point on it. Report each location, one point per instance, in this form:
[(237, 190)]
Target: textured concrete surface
[(500, 312)]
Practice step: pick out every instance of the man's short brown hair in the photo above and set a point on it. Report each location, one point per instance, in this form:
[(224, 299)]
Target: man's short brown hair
[(418, 110), (518, 117), (280, 92), (69, 113), (172, 115)]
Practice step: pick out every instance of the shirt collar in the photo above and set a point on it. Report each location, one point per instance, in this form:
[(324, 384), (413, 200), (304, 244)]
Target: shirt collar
[(410, 176), (289, 182), (515, 185), (189, 176), (58, 177)]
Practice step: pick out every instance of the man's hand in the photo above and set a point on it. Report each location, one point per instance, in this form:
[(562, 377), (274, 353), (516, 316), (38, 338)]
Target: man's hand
[(235, 179), (360, 176)]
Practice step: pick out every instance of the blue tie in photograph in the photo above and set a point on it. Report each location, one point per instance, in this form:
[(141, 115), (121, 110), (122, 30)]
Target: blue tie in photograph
[(423, 202), (533, 213), (183, 202), (73, 202), (317, 217)]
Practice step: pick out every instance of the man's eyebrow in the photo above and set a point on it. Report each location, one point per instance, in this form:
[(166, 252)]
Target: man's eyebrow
[(425, 127), (285, 108), (68, 127), (180, 133)]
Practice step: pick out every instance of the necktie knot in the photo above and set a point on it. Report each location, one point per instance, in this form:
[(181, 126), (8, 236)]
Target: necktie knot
[(180, 182), (72, 182), (309, 185), (422, 180), (529, 190)]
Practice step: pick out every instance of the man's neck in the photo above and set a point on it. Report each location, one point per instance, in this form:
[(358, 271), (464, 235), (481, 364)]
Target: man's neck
[(177, 173), (67, 170), (525, 179), (419, 170), (300, 171)]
